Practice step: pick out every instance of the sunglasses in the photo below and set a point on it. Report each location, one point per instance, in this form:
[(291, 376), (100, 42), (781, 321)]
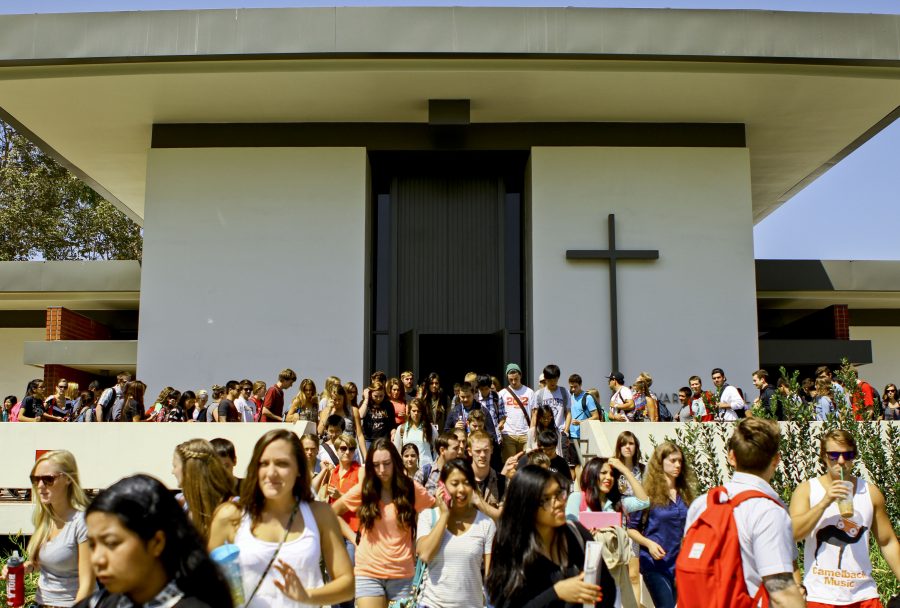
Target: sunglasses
[(62, 386), (343, 448), (848, 455), (247, 389), (48, 480)]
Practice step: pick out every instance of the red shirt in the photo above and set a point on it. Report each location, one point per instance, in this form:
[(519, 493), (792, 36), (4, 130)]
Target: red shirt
[(274, 402), (868, 393)]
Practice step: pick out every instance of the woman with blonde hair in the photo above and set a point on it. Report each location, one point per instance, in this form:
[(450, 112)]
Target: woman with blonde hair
[(305, 406), (339, 404), (58, 548), (397, 397), (671, 486), (205, 483)]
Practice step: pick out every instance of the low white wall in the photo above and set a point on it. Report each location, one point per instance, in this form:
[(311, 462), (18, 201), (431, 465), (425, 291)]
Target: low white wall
[(885, 366), (15, 375)]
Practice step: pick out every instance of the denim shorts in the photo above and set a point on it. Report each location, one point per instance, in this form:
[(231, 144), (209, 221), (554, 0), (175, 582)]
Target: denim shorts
[(391, 588)]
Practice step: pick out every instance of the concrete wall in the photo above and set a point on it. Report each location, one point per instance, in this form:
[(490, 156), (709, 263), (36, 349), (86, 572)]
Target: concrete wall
[(689, 311), (885, 366), (15, 375), (254, 260)]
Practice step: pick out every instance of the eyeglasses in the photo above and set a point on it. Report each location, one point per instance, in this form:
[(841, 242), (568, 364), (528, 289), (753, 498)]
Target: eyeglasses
[(343, 448), (48, 480), (848, 455), (559, 497)]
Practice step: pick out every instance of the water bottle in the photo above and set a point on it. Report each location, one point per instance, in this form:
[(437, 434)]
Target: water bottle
[(15, 581), (226, 557)]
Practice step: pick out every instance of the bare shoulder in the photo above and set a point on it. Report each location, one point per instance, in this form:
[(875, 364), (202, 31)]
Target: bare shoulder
[(323, 513), (228, 512), (876, 494)]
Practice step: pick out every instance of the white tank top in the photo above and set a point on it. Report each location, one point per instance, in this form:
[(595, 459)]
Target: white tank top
[(303, 553), (836, 552)]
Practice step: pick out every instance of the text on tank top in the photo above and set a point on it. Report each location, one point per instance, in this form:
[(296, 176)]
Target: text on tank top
[(836, 552)]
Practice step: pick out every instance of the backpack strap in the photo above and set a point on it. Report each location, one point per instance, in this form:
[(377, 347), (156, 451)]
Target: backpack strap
[(331, 454)]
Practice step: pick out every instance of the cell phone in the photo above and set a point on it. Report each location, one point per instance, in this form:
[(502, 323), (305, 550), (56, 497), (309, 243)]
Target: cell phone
[(442, 493)]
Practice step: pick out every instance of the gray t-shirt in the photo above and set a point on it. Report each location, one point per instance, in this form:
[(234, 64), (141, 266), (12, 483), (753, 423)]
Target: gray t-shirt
[(453, 578), (58, 582)]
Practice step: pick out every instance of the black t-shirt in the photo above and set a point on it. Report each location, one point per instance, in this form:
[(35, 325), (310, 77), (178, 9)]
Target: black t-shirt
[(543, 574), (558, 464), (379, 421), (228, 411), (32, 407)]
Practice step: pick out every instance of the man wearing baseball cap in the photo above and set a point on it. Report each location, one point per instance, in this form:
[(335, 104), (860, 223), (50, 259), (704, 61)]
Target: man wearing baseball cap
[(518, 400), (622, 400)]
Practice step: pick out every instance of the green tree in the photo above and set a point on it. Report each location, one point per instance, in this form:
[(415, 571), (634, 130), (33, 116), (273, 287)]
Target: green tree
[(47, 213)]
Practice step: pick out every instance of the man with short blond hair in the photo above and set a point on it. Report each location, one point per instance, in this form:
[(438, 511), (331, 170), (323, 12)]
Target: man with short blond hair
[(489, 485)]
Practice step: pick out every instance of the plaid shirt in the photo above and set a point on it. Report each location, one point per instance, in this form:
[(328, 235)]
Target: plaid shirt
[(495, 408)]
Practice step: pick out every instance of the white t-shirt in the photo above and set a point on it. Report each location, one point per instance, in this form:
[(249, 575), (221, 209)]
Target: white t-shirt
[(619, 398), (764, 530), (732, 397), (557, 400), (454, 573), (517, 423), (245, 408)]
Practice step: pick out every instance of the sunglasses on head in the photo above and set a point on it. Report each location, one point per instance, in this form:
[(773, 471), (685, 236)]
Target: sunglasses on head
[(47, 479), (848, 455)]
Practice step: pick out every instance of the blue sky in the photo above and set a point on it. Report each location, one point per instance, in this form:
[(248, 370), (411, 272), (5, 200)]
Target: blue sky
[(812, 225)]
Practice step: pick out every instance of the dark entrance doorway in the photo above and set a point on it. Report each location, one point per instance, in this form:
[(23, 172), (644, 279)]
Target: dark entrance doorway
[(447, 263)]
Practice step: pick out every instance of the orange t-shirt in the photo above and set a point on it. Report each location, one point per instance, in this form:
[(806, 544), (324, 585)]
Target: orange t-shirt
[(386, 551), (345, 484)]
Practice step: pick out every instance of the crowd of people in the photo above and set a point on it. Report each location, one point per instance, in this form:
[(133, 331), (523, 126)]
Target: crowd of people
[(405, 496)]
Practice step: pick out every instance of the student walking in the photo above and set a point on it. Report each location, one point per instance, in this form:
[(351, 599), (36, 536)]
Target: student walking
[(454, 539), (670, 487), (58, 548), (538, 557), (834, 515), (387, 503), (278, 519)]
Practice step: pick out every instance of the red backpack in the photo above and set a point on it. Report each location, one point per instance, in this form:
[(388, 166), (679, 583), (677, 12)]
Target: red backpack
[(709, 572)]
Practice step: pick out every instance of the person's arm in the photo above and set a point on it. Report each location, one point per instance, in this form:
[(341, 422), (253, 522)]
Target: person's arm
[(223, 528), (568, 422), (884, 532), (652, 409), (323, 416), (86, 580), (805, 517), (337, 563), (783, 591), (484, 507), (428, 545), (636, 485), (325, 471)]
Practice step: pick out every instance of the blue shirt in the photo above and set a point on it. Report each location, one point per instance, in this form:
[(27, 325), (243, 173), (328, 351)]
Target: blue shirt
[(581, 412), (665, 527)]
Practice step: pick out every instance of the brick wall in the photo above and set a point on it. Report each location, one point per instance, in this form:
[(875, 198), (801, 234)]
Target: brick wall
[(841, 321), (64, 324)]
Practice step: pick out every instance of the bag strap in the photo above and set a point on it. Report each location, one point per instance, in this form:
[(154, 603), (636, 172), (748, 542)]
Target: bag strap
[(274, 555), (518, 402), (331, 454)]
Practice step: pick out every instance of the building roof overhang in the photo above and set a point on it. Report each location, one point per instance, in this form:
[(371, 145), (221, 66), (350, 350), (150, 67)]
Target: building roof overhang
[(809, 87)]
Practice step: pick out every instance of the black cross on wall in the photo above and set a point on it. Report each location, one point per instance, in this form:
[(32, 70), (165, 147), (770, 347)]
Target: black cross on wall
[(613, 255)]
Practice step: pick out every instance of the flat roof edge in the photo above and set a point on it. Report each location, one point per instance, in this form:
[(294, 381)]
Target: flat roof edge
[(728, 35)]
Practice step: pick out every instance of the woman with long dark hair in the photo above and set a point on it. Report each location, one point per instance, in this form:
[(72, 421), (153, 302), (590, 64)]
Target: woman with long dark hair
[(434, 399), (671, 487), (278, 519), (538, 556), (387, 503), (599, 489), (378, 418), (454, 539), (418, 431), (133, 401), (145, 552)]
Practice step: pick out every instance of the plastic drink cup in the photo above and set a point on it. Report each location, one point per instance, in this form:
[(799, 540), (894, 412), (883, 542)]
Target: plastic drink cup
[(845, 506), (226, 557)]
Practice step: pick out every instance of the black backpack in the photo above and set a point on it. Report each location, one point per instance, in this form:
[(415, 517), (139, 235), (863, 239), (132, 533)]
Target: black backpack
[(664, 414)]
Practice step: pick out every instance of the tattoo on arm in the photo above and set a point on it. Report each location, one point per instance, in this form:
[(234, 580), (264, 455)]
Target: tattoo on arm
[(779, 582)]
